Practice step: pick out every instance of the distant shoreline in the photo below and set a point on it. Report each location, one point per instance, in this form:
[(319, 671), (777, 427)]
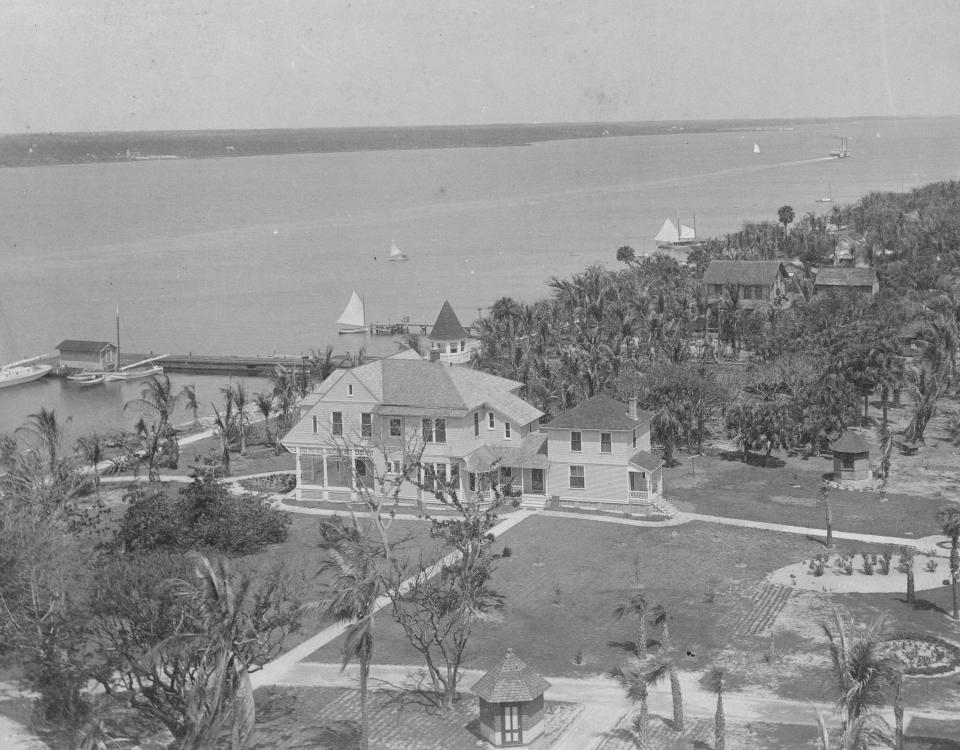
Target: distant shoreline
[(50, 149)]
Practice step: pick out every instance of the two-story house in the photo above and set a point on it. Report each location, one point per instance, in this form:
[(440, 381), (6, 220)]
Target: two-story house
[(599, 455), (846, 281), (752, 283), (372, 423)]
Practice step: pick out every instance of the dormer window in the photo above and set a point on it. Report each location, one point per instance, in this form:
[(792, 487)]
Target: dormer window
[(506, 430), (491, 420), (350, 389)]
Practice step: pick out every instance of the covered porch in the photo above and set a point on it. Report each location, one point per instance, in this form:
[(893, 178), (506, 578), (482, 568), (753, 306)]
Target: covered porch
[(644, 477), (320, 472), (515, 472)]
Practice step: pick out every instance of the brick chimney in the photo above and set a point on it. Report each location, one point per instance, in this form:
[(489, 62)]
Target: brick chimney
[(632, 411)]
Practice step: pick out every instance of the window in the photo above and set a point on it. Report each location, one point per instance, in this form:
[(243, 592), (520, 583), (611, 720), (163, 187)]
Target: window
[(455, 476), (506, 472), (337, 422), (360, 466), (491, 421), (396, 427), (748, 292), (366, 424), (476, 424), (576, 478), (606, 444), (536, 480), (395, 467), (846, 461), (758, 292), (427, 431), (453, 347), (349, 389), (576, 445), (473, 481), (440, 430), (314, 425), (506, 430), (634, 437), (511, 734)]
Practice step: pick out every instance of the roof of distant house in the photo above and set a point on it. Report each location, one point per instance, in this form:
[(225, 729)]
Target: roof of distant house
[(531, 454), (76, 345), (646, 461), (598, 413), (835, 276), (447, 327), (748, 272), (850, 442), (510, 681)]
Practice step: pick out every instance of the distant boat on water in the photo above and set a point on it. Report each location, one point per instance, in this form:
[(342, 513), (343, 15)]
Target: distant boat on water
[(353, 318), (828, 198), (143, 369), (24, 371), (841, 153), (756, 148), (87, 378), (396, 253), (670, 236)]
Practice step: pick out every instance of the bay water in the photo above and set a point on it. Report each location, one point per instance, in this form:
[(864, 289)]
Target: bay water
[(258, 255)]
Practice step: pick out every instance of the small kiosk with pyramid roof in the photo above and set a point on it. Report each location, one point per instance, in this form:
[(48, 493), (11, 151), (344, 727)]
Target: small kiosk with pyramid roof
[(511, 704), (851, 458), (449, 341)]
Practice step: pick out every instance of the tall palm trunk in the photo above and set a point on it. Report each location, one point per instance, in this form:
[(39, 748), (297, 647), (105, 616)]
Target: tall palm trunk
[(642, 636), (898, 714), (719, 723), (677, 699), (954, 568), (640, 725), (365, 659), (911, 586)]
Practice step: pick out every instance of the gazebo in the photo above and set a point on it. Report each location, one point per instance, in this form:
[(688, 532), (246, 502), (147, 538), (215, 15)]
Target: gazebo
[(851, 458), (511, 704)]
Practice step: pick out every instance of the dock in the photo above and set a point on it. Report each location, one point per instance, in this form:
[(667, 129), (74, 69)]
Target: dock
[(212, 364)]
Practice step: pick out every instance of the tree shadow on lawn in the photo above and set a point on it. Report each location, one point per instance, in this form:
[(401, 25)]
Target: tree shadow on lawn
[(925, 605), (753, 459)]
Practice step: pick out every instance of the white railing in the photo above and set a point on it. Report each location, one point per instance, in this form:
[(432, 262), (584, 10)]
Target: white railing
[(458, 358), (636, 495)]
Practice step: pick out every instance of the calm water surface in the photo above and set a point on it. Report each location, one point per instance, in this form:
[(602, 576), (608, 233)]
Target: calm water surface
[(258, 255)]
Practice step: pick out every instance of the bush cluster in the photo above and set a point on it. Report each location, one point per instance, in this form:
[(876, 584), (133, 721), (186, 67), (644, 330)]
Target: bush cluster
[(203, 515)]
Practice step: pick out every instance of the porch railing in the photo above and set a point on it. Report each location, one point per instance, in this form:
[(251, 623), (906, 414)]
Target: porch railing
[(637, 495)]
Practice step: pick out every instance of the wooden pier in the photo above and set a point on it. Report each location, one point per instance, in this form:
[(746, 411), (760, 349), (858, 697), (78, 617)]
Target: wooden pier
[(201, 364)]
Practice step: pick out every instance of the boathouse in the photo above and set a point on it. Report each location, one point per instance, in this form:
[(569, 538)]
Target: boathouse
[(450, 342), (87, 355), (511, 704), (851, 458)]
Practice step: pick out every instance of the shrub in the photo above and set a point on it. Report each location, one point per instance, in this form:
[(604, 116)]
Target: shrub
[(885, 560), (819, 564), (507, 552), (932, 563), (868, 564), (152, 521), (846, 563)]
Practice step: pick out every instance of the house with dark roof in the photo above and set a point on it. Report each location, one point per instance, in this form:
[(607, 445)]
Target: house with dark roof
[(752, 283), (846, 281), (449, 341), (76, 354), (386, 418), (599, 456)]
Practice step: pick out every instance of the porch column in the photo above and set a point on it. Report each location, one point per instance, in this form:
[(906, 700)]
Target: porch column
[(659, 481), (461, 470), (298, 493), (353, 473), (326, 482)]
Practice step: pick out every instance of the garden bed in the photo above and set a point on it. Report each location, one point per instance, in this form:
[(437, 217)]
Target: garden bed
[(922, 654)]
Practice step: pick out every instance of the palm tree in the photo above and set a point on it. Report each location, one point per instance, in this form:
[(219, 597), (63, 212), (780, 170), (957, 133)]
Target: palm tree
[(265, 405), (92, 449), (949, 520), (48, 432), (286, 395), (667, 427), (625, 254), (645, 613), (828, 514), (785, 216), (159, 400), (352, 599), (221, 690), (635, 686), (861, 673), (238, 395), (224, 424), (865, 733), (190, 399), (720, 719)]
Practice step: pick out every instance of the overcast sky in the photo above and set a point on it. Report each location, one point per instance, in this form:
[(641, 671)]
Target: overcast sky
[(76, 65)]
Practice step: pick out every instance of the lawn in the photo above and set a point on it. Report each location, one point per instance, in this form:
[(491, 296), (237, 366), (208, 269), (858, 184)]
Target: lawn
[(565, 577)]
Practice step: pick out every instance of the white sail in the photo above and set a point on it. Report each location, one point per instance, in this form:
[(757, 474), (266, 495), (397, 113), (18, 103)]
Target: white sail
[(756, 148), (687, 233), (395, 252), (353, 314), (668, 233)]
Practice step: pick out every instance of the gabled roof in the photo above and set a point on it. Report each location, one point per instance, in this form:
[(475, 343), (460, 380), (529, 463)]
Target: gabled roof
[(447, 327), (76, 345), (834, 276), (598, 413), (646, 461), (530, 454), (850, 442), (748, 272), (510, 681)]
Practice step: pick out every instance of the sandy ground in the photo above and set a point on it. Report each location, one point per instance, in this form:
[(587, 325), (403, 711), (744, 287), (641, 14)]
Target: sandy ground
[(835, 581)]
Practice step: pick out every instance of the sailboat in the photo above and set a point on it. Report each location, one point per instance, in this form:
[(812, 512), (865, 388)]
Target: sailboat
[(841, 153), (669, 236), (353, 318), (828, 198), (756, 148), (396, 253), (137, 369), (22, 371)]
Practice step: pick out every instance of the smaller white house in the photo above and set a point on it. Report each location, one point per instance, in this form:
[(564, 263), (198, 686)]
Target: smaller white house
[(450, 342)]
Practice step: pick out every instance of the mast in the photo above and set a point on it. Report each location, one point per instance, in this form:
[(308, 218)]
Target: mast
[(117, 365)]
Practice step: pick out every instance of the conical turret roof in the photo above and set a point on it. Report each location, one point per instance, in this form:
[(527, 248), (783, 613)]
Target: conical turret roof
[(447, 327), (511, 681)]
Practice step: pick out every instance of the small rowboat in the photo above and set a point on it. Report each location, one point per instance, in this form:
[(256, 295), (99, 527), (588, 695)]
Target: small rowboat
[(87, 378)]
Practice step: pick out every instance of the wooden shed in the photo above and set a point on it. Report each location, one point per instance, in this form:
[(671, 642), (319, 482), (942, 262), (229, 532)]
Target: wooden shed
[(511, 704), (851, 457), (87, 355)]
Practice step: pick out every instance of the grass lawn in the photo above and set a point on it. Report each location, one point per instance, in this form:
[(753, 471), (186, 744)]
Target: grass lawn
[(566, 576), (786, 492)]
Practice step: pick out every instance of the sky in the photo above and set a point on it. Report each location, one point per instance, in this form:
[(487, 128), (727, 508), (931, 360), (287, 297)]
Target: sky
[(81, 65)]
